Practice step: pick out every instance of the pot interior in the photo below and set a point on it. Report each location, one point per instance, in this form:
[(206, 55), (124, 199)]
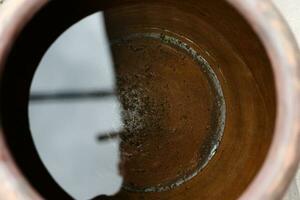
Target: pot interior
[(196, 89)]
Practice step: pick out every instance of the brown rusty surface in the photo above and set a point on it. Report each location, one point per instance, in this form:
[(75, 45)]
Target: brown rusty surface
[(169, 111), (260, 145), (282, 161), (247, 83)]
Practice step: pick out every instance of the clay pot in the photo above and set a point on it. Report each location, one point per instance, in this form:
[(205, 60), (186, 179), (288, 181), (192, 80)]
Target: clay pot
[(228, 131)]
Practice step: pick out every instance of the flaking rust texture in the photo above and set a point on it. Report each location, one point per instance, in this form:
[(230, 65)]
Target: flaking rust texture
[(169, 96)]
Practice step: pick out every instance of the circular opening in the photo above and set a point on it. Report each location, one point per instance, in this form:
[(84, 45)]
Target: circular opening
[(192, 89)]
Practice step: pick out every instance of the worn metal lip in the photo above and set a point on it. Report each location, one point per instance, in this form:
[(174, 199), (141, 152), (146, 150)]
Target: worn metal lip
[(14, 14), (282, 159)]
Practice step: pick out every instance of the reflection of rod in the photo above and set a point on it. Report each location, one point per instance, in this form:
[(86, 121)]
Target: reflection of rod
[(69, 95), (108, 136)]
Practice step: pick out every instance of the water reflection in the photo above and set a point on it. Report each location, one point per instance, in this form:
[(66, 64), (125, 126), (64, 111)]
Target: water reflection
[(72, 103)]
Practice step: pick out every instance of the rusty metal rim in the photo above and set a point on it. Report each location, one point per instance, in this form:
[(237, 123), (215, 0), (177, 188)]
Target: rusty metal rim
[(13, 185), (283, 157), (281, 162)]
